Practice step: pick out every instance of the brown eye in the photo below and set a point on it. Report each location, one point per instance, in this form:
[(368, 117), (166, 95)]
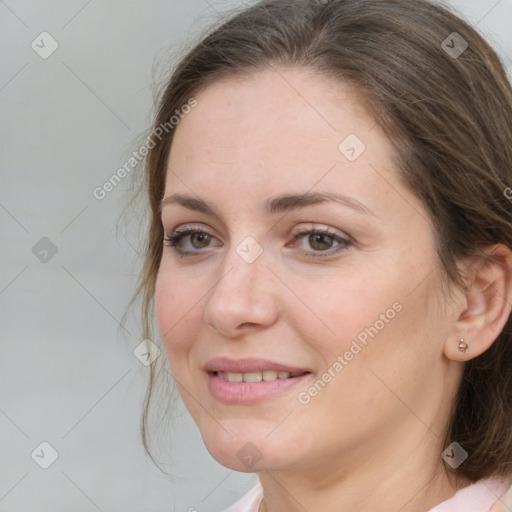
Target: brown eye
[(202, 240), (320, 241), (198, 239)]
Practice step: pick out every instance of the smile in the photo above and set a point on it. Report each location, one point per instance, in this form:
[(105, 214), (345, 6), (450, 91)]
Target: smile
[(265, 375)]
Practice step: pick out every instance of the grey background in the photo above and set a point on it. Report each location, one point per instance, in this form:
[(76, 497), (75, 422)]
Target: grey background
[(68, 375)]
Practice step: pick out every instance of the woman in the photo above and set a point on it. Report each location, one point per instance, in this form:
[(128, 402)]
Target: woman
[(330, 255)]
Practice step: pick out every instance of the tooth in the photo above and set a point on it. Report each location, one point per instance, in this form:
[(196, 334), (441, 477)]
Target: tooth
[(253, 377), (265, 375)]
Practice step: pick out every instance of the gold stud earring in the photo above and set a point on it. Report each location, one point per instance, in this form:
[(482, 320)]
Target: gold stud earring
[(463, 346)]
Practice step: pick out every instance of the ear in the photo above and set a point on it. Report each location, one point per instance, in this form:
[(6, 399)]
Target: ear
[(486, 304)]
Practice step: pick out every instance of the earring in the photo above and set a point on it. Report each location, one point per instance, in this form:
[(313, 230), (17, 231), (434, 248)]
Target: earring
[(463, 346)]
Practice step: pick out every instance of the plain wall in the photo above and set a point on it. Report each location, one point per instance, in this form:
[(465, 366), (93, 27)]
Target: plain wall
[(68, 375)]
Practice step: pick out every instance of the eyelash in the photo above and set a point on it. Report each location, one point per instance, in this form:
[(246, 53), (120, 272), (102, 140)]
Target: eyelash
[(175, 239)]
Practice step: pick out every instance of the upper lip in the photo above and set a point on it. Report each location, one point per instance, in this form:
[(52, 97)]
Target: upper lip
[(248, 365)]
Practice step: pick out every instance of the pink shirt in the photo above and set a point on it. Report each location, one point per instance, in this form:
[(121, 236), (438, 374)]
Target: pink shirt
[(478, 497)]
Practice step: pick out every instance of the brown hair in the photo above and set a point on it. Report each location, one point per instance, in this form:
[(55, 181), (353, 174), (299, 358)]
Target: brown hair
[(449, 117)]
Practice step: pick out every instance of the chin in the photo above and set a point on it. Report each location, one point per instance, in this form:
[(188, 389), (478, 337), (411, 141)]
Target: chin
[(245, 452), (246, 459)]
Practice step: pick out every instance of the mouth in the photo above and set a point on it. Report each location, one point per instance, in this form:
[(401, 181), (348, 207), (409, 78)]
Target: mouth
[(249, 381), (261, 376)]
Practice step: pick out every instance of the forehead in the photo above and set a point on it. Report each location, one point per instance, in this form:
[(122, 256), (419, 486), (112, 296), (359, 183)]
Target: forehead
[(275, 124)]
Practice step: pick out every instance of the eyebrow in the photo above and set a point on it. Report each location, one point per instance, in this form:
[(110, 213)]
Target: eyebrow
[(274, 205)]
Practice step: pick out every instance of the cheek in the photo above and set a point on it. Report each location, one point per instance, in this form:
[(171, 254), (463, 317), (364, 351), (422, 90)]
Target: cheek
[(336, 311), (389, 343), (176, 309), (376, 318)]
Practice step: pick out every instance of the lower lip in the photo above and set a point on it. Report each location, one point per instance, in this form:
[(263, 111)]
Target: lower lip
[(244, 393)]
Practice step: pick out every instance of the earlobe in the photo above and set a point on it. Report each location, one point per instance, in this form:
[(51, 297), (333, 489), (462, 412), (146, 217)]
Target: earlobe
[(487, 305), (459, 350), (463, 346)]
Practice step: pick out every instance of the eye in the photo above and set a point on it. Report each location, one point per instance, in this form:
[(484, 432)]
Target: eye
[(199, 239), (321, 241)]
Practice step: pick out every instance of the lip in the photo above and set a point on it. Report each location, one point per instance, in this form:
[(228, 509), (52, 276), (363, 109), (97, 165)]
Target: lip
[(247, 393)]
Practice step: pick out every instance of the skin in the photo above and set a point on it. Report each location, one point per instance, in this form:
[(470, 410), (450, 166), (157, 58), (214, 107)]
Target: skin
[(379, 423)]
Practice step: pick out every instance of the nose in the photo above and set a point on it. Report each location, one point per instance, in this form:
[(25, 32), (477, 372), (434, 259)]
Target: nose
[(243, 297)]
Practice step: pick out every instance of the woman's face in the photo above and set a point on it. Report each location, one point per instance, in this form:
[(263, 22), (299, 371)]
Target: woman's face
[(336, 286)]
